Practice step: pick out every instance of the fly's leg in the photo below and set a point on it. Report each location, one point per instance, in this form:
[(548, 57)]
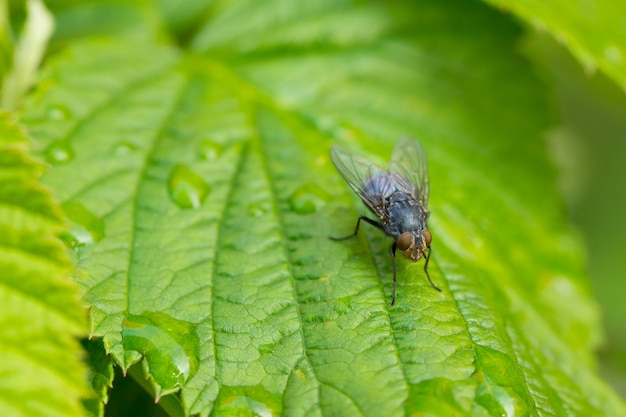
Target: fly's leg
[(427, 256), (356, 229), (395, 279)]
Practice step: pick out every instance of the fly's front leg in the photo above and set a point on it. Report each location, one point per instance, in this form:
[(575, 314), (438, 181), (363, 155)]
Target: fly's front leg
[(427, 256), (395, 279), (356, 229)]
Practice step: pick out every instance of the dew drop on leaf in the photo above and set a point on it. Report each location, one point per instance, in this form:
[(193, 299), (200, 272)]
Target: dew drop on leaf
[(59, 152), (257, 408), (84, 227), (308, 199), (186, 188), (249, 400), (209, 150), (613, 54), (256, 210), (124, 148), (167, 363), (59, 112)]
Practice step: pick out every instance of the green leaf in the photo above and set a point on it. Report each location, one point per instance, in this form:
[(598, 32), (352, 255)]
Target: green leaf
[(201, 196), (40, 318), (593, 30)]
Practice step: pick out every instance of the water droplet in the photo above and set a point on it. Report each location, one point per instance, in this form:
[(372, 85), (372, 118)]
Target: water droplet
[(186, 188), (124, 148), (308, 199), (151, 335), (325, 124), (59, 152), (69, 239), (613, 54), (250, 400), (244, 403), (256, 210), (84, 227), (59, 112), (209, 150)]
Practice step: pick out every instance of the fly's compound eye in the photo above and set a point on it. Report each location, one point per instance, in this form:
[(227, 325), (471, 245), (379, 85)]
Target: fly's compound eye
[(427, 238), (404, 241)]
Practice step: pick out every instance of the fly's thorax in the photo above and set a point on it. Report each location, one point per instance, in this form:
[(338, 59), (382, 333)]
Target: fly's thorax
[(405, 215), (413, 244)]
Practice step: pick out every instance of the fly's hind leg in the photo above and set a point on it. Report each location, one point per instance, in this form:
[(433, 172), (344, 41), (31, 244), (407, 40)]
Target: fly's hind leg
[(356, 229)]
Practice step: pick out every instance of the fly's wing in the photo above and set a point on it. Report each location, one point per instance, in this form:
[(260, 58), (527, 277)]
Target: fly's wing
[(410, 170), (366, 179)]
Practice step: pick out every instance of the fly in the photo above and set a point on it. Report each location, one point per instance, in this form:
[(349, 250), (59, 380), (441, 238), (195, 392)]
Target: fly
[(397, 196)]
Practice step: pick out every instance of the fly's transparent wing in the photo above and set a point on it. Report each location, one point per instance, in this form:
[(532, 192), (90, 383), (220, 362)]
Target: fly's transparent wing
[(366, 179), (408, 165)]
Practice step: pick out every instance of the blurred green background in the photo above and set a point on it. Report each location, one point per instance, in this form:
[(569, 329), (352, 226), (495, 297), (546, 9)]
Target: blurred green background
[(590, 150)]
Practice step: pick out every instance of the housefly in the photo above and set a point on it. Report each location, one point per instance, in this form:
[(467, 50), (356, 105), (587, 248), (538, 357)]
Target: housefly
[(398, 196)]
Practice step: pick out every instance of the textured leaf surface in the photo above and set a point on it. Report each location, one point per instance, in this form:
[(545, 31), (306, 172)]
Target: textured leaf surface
[(40, 315), (593, 30), (201, 196)]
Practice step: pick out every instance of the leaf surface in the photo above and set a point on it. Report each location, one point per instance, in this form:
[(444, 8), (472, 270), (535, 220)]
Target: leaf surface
[(202, 196)]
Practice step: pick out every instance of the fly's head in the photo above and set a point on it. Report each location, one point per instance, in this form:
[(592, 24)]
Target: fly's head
[(413, 244)]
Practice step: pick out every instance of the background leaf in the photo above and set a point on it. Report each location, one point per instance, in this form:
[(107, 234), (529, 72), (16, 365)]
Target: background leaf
[(40, 317), (594, 31), (201, 196), (590, 147)]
